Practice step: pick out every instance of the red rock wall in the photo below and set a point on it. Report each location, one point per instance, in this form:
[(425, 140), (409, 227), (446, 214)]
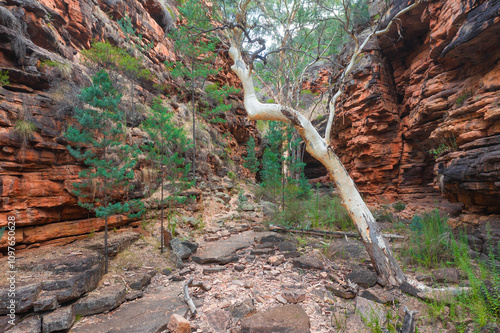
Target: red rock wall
[(36, 182), (434, 80)]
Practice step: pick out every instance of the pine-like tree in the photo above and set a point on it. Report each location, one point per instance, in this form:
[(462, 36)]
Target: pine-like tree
[(251, 161), (166, 149), (198, 55), (96, 141)]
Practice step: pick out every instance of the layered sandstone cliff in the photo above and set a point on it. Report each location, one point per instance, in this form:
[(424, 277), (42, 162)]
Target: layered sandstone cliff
[(431, 83), (36, 179)]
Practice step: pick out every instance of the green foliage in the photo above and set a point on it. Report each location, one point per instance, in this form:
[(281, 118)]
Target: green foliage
[(63, 69), (384, 214), (48, 63), (198, 56), (131, 35), (251, 161), (25, 129), (166, 150), (482, 300), (218, 95), (464, 95), (430, 243), (360, 12), (321, 211), (168, 144), (199, 53), (242, 199), (97, 143), (399, 206), (449, 144), (114, 58), (4, 78), (281, 140)]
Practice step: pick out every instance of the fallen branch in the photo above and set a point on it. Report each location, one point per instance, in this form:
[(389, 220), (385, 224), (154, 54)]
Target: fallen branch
[(191, 283), (408, 321), (323, 233), (188, 299)]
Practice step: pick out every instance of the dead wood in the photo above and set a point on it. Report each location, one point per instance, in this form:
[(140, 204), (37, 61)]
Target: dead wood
[(324, 233)]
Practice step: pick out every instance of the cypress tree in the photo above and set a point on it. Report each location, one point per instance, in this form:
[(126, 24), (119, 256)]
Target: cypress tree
[(169, 144), (109, 163), (251, 161)]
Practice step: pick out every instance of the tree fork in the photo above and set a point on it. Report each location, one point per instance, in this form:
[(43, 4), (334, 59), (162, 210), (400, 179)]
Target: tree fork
[(380, 253)]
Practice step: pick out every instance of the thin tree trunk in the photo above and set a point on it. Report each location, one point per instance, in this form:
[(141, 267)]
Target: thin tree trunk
[(194, 124), (105, 226), (380, 253), (161, 207)]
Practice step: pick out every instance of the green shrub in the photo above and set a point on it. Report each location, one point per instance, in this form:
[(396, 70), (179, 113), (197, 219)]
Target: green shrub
[(4, 78), (25, 130), (319, 211), (430, 243), (399, 206), (449, 144), (328, 212), (482, 300), (464, 95), (384, 214), (251, 161)]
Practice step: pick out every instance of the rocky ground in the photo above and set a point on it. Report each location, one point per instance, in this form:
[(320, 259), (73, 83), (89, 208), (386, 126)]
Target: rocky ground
[(252, 280)]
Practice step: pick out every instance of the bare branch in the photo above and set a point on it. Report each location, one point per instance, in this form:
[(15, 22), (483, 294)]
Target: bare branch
[(188, 299), (358, 49)]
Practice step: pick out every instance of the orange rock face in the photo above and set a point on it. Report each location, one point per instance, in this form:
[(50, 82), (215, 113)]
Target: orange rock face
[(36, 180), (435, 89)]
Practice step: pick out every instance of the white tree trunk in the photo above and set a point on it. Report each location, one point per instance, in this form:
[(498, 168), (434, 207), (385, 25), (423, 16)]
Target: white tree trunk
[(380, 253)]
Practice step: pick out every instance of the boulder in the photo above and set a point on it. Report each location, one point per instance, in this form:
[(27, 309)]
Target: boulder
[(365, 278), (294, 296), (183, 249), (218, 320), (347, 250), (45, 303), (287, 246), (178, 324), (138, 281), (378, 295), (370, 310), (268, 208), (59, 320), (223, 196), (212, 270), (270, 237), (308, 262), (449, 275), (341, 291), (31, 324), (224, 251), (25, 296), (289, 318), (242, 309), (133, 294), (102, 300)]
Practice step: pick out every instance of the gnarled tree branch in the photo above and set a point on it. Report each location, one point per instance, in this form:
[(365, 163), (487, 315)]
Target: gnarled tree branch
[(380, 252), (358, 49)]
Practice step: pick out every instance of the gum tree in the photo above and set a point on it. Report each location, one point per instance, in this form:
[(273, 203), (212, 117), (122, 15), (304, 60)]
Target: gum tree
[(238, 34)]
